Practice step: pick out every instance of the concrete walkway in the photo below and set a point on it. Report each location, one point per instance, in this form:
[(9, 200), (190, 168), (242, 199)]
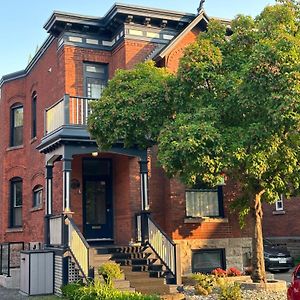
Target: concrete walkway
[(11, 294)]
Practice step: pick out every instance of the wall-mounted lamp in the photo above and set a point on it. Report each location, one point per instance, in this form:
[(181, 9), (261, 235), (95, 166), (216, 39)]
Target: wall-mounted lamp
[(95, 154)]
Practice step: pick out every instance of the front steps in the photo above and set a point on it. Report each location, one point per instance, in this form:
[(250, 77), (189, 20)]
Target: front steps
[(141, 268)]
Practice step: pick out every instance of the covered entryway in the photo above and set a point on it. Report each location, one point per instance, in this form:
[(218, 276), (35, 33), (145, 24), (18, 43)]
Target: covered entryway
[(97, 199)]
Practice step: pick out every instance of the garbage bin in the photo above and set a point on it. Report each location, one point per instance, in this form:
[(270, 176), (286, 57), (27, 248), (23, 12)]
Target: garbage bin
[(37, 272)]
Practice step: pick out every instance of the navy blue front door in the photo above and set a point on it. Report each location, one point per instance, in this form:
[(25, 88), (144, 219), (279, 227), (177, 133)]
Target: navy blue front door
[(98, 211)]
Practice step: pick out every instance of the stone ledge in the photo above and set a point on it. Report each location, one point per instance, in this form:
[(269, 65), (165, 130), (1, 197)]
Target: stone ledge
[(205, 220), (272, 285)]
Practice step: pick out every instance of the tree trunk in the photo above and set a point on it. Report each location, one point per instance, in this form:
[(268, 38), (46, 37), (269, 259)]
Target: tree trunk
[(258, 262)]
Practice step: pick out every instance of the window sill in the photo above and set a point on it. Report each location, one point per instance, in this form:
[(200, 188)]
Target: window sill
[(14, 229), (205, 220), (278, 212), (15, 148), (36, 209)]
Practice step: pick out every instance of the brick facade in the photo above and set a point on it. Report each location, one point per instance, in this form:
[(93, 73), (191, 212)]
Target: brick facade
[(59, 71)]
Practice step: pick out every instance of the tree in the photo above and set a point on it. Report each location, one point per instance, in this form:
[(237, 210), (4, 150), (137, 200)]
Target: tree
[(233, 108)]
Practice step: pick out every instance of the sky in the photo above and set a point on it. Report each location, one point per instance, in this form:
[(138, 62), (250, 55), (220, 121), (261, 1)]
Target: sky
[(21, 22)]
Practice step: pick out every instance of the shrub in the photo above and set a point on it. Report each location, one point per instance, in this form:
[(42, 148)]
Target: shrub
[(204, 283), (234, 272), (230, 291), (110, 271), (98, 291), (70, 290), (219, 272)]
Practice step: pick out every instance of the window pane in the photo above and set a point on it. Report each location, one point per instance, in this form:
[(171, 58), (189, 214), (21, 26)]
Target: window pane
[(17, 126), (95, 87), (95, 69), (17, 194), (18, 117), (37, 198), (16, 204), (96, 167), (202, 203), (207, 260)]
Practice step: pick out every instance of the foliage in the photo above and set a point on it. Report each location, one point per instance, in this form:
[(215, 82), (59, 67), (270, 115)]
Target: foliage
[(204, 283), (230, 291), (133, 107), (98, 291), (219, 272), (110, 271), (231, 272), (233, 108)]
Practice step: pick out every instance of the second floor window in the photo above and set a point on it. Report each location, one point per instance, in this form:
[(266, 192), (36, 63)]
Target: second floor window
[(33, 115), (95, 77), (16, 134)]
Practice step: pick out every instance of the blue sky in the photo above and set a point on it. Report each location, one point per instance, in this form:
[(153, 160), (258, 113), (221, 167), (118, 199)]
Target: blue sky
[(21, 22)]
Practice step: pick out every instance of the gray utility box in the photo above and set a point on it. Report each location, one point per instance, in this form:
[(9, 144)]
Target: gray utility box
[(36, 274)]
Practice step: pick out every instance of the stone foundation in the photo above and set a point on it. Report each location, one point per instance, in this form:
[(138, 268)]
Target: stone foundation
[(237, 251)]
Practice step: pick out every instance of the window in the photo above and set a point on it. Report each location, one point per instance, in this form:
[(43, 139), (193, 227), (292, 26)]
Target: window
[(206, 260), (204, 202), (16, 202), (279, 204), (95, 77), (37, 196), (16, 135), (33, 114)]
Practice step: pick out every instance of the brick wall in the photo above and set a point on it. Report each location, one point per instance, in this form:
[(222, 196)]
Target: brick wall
[(25, 161)]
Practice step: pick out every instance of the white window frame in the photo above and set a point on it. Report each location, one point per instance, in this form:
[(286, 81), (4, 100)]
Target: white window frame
[(279, 204)]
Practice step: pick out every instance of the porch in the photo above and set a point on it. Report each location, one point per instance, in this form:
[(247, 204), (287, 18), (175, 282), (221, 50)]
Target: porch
[(97, 199)]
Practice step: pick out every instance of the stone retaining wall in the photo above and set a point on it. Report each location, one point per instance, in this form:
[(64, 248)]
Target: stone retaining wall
[(237, 251)]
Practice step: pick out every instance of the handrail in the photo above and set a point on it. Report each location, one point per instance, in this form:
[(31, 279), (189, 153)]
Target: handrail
[(163, 246), (79, 248)]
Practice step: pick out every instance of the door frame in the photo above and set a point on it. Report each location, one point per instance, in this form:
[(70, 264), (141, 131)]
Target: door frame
[(110, 194)]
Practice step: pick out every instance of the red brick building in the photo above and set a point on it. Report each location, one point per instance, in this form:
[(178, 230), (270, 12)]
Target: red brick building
[(50, 165)]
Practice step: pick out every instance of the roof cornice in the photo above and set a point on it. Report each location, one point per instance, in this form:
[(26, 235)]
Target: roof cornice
[(23, 73)]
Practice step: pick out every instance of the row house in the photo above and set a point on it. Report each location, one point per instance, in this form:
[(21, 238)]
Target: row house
[(59, 191)]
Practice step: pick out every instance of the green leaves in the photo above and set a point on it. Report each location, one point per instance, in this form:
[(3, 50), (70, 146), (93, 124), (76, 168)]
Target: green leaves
[(133, 107), (233, 107)]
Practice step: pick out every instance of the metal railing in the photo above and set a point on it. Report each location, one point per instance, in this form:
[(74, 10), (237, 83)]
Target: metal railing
[(79, 248), (148, 232), (70, 110), (10, 256)]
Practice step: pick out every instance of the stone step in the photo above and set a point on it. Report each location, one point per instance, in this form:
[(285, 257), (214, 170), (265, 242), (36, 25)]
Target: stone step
[(138, 281)]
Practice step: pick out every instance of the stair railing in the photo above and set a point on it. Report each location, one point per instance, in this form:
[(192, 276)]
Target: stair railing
[(150, 233), (78, 247)]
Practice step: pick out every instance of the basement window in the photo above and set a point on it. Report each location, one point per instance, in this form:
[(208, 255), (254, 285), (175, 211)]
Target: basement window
[(206, 260)]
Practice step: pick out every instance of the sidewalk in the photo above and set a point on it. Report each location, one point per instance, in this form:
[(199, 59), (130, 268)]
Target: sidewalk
[(10, 294)]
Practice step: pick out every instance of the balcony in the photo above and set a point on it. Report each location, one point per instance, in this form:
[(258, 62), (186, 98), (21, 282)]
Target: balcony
[(70, 110), (66, 120)]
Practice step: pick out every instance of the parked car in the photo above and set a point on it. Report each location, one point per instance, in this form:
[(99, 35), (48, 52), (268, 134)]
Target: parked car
[(293, 292), (277, 258)]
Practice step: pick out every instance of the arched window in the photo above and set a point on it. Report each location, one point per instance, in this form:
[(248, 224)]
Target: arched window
[(16, 125), (33, 114), (37, 196), (16, 202)]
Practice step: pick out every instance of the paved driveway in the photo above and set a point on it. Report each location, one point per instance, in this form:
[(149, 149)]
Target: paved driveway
[(287, 276)]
